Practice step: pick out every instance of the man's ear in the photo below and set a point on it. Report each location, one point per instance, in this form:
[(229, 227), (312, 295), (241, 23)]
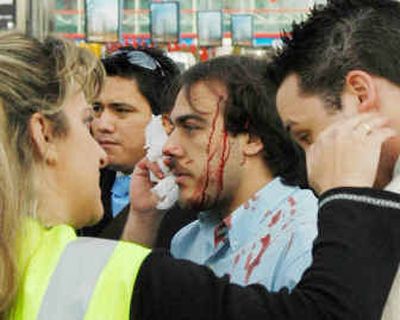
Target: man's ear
[(252, 145), (40, 130), (362, 85)]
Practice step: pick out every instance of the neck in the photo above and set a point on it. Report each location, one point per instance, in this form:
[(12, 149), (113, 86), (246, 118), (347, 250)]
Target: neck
[(51, 207), (256, 176), (124, 170), (390, 152)]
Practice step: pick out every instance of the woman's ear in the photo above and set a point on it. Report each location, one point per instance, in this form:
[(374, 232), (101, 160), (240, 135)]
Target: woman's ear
[(362, 85), (40, 130)]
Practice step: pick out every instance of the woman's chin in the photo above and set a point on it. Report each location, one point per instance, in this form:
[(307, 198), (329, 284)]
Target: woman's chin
[(93, 219)]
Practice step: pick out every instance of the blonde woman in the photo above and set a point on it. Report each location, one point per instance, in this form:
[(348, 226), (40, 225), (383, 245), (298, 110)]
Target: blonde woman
[(49, 169)]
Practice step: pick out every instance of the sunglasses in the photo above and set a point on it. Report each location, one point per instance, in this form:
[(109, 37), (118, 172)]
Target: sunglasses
[(140, 59)]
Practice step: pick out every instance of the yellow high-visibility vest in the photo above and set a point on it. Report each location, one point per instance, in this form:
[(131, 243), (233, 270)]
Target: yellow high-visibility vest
[(66, 277)]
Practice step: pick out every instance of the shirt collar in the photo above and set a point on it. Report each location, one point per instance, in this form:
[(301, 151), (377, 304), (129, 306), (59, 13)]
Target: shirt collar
[(242, 223), (121, 185)]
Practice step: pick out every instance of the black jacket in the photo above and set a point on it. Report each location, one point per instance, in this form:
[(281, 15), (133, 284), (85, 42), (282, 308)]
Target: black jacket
[(355, 258)]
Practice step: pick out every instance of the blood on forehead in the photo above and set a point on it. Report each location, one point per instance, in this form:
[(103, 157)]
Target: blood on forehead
[(216, 88)]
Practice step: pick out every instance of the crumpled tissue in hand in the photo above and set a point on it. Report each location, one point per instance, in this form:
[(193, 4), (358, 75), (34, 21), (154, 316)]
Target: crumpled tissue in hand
[(166, 189)]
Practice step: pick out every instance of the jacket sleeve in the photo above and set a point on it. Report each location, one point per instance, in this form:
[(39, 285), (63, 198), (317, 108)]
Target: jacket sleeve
[(355, 258)]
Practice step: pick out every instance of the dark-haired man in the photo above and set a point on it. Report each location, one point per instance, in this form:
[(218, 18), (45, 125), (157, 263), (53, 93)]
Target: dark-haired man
[(136, 87), (339, 64), (234, 162)]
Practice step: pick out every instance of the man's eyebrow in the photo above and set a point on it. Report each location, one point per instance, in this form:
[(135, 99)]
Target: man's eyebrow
[(182, 119), (114, 103), (121, 104)]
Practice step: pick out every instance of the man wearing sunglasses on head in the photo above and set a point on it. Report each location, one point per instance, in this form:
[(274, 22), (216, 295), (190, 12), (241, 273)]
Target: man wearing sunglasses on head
[(136, 88)]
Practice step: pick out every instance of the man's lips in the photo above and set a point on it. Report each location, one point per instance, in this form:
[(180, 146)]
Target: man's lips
[(107, 142), (179, 172), (180, 178), (180, 175)]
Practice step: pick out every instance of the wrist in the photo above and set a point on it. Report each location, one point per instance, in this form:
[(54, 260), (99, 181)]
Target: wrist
[(142, 228)]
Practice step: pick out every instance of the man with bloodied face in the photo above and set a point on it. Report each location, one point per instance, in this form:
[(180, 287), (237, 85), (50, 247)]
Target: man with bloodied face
[(236, 165)]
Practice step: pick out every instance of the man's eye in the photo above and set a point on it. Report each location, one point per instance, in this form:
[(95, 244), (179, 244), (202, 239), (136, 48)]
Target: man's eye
[(190, 128), (122, 110), (304, 138)]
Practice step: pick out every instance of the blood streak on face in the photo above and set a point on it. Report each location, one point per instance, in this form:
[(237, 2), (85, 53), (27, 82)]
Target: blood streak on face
[(210, 155), (224, 157), (211, 174)]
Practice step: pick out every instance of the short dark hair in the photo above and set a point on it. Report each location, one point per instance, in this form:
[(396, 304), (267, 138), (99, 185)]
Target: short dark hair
[(153, 84), (342, 36), (250, 108)]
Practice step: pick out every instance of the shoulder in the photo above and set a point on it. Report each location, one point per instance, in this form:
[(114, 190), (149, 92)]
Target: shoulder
[(188, 231), (186, 239), (299, 210), (303, 201)]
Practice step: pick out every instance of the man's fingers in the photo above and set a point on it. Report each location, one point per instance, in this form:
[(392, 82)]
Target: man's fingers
[(144, 166), (371, 125), (383, 134), (363, 123)]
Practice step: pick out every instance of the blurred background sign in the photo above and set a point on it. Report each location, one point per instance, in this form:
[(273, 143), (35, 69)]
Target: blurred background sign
[(7, 14), (242, 30), (177, 25), (164, 22), (103, 20), (209, 28)]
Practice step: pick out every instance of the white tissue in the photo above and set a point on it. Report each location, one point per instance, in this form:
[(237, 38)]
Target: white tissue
[(166, 189), (167, 192)]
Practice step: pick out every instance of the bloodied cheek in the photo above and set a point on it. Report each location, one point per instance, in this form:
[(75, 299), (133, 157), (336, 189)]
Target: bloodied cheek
[(217, 154)]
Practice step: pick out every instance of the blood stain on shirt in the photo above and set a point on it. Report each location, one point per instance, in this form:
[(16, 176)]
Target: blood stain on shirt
[(252, 264), (292, 204), (236, 259), (275, 218)]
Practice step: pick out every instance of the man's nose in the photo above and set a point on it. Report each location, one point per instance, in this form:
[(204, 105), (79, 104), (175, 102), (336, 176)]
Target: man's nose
[(172, 148), (104, 122)]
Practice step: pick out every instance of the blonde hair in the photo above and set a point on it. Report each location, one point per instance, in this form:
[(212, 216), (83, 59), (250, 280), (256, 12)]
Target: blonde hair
[(34, 77)]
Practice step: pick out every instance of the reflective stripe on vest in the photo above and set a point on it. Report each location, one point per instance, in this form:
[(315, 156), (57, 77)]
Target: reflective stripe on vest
[(94, 279), (74, 280)]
